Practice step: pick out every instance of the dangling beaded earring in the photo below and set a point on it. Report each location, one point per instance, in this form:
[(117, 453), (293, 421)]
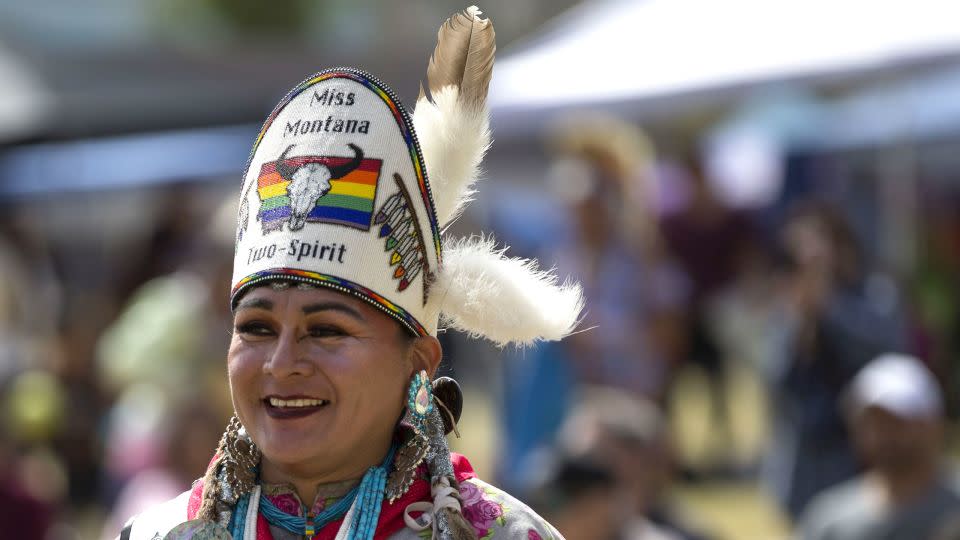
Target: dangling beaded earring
[(444, 513), (420, 405), (420, 399), (242, 459), (231, 475), (212, 516)]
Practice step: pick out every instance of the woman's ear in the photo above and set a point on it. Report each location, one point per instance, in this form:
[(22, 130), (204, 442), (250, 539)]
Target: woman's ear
[(426, 354)]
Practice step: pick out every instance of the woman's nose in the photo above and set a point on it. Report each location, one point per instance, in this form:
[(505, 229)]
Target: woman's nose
[(289, 356)]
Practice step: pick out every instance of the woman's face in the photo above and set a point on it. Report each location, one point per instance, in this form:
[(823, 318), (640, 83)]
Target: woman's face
[(318, 379)]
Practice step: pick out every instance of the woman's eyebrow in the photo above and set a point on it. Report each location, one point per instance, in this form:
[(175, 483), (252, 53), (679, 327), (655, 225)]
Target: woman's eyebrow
[(333, 306), (255, 303)]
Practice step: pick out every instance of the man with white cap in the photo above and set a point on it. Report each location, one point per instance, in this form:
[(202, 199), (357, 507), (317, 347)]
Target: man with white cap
[(896, 417)]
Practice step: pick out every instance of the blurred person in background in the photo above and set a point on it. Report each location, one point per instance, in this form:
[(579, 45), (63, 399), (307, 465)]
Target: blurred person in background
[(172, 329), (34, 412), (836, 315), (581, 497), (608, 239), (613, 245), (714, 245), (154, 448), (895, 411), (630, 436), (163, 350)]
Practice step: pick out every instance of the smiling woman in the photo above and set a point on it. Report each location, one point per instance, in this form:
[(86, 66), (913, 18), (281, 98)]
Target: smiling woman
[(315, 377), (340, 426)]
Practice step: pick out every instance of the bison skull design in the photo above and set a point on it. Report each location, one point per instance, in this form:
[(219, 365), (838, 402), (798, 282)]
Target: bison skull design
[(311, 181)]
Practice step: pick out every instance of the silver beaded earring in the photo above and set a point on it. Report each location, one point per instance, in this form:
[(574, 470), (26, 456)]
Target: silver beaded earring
[(419, 406)]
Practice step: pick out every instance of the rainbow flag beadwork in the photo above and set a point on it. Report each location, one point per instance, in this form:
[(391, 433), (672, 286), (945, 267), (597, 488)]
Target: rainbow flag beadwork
[(403, 122), (349, 201)]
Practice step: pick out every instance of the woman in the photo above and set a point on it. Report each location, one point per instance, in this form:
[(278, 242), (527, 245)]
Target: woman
[(340, 278), (835, 315)]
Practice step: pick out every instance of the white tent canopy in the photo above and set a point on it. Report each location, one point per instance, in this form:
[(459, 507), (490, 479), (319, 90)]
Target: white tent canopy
[(925, 107), (615, 51)]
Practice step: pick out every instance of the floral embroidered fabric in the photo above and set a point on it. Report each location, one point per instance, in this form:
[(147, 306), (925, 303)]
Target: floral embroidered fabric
[(493, 513), (285, 498)]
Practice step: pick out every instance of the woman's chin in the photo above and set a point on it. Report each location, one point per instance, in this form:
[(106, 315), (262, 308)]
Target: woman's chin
[(291, 461), (292, 442), (296, 454)]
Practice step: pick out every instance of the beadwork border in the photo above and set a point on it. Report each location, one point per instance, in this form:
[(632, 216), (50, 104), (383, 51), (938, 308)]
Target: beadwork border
[(337, 283)]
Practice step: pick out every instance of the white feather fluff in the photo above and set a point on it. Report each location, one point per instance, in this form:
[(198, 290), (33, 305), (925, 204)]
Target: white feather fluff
[(481, 291), (454, 138)]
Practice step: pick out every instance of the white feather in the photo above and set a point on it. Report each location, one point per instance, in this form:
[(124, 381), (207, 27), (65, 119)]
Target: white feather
[(481, 291), (453, 138)]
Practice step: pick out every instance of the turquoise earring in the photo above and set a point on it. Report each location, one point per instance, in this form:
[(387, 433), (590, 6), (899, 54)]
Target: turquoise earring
[(420, 400), (420, 405)]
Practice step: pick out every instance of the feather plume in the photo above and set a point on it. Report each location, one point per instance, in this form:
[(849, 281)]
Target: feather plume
[(453, 140), (453, 124), (481, 291), (466, 45)]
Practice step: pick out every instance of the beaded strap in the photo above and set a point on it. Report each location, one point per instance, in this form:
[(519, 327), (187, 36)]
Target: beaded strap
[(372, 489)]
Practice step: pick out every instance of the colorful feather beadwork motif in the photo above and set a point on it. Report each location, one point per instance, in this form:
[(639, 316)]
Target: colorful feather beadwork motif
[(402, 238)]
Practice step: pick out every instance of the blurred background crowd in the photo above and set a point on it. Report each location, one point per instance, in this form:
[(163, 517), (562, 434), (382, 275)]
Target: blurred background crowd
[(761, 200)]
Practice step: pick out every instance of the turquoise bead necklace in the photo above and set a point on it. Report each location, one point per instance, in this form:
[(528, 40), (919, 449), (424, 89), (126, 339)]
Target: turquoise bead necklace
[(369, 495)]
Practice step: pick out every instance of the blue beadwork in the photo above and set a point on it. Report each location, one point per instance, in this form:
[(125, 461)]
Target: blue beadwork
[(298, 524), (238, 521), (372, 490), (420, 381), (370, 493)]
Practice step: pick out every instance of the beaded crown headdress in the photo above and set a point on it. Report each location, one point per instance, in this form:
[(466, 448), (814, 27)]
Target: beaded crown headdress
[(344, 189)]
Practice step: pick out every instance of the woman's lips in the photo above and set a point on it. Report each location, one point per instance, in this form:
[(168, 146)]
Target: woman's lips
[(293, 407)]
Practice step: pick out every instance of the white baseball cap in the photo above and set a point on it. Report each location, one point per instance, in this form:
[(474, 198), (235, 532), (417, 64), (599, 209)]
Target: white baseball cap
[(897, 383)]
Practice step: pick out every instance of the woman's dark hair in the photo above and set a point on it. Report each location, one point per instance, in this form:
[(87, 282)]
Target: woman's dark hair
[(569, 479)]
